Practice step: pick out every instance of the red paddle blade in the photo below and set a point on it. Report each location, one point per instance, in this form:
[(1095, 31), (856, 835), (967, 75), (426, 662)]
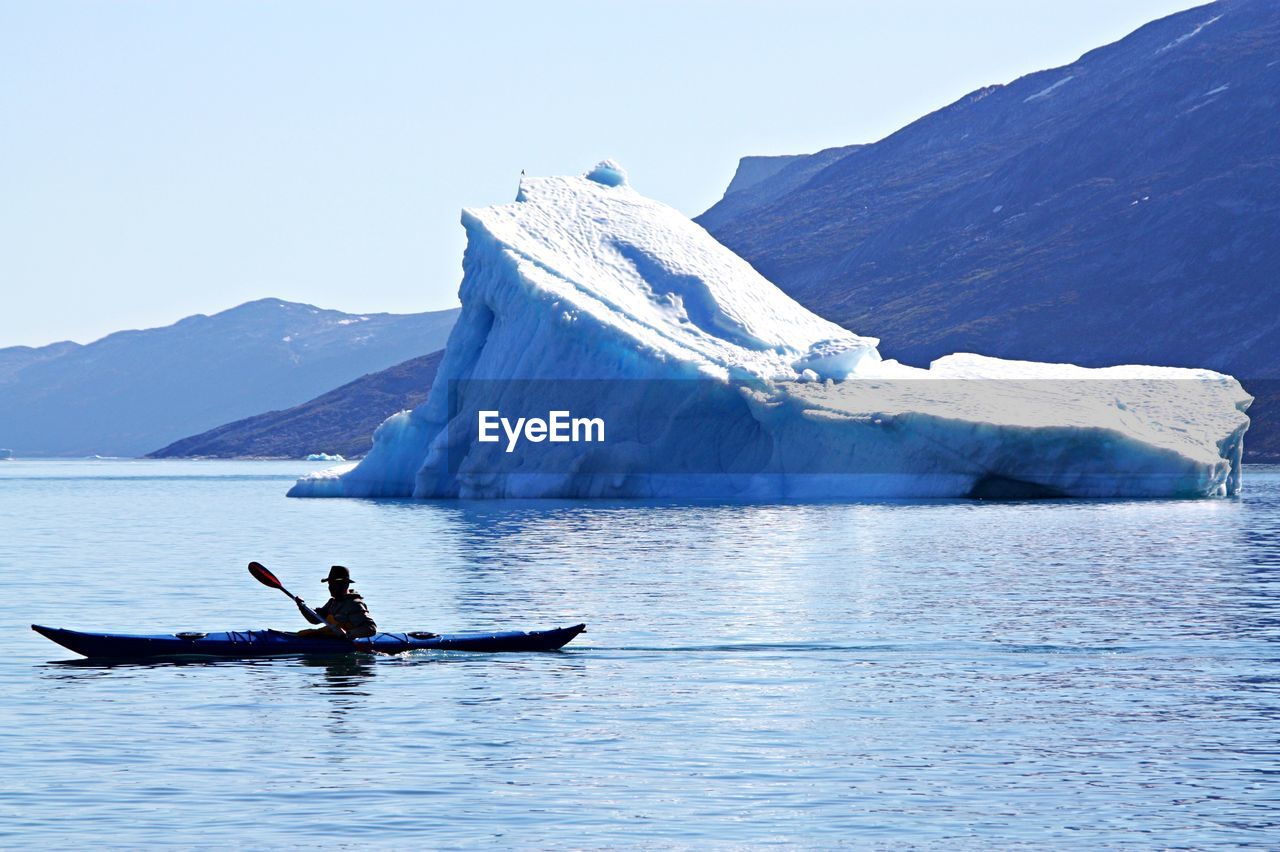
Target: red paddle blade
[(263, 576)]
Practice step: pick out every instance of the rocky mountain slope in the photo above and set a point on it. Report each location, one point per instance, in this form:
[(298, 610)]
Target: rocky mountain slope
[(341, 421)]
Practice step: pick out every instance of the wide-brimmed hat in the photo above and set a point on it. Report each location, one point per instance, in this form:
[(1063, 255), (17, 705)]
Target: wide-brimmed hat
[(337, 572)]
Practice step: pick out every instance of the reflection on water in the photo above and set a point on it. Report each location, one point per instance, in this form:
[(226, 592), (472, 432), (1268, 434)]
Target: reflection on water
[(344, 683), (345, 674)]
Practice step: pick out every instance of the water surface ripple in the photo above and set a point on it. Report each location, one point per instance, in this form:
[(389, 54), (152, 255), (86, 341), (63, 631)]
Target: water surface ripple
[(941, 674)]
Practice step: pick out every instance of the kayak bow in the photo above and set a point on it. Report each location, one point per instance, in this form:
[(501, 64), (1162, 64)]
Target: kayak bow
[(267, 643)]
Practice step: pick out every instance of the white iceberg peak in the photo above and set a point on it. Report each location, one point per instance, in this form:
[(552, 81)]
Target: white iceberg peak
[(632, 272)]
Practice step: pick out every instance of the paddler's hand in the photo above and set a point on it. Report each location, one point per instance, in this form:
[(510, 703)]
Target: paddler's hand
[(302, 608), (334, 627)]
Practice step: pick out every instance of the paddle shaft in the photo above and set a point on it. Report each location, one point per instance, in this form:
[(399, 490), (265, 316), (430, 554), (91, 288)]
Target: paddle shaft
[(308, 610)]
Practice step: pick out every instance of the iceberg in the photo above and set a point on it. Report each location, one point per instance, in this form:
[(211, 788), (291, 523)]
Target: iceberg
[(585, 301)]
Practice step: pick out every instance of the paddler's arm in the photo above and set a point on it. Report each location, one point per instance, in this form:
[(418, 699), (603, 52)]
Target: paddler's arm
[(306, 612)]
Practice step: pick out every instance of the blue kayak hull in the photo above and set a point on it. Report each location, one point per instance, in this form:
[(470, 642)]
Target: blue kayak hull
[(270, 643)]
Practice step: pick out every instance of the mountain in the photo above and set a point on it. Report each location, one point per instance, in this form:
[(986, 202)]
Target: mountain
[(1124, 208), (133, 391), (666, 366), (341, 421), (16, 358)]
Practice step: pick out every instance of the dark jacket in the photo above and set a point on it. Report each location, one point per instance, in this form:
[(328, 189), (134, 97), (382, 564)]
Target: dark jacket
[(351, 614)]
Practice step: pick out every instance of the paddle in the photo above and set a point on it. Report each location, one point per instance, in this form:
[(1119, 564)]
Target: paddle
[(266, 578)]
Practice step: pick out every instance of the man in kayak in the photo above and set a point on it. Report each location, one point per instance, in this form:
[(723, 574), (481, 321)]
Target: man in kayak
[(345, 615)]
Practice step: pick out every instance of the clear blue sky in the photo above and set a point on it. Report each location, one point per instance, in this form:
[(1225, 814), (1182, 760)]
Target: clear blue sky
[(163, 159)]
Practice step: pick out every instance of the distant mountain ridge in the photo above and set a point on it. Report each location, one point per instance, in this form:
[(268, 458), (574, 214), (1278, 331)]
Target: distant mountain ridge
[(134, 391), (15, 358), (341, 421), (1124, 208), (760, 180)]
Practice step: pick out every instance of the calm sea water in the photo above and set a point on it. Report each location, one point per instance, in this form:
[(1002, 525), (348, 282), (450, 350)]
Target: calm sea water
[(948, 674)]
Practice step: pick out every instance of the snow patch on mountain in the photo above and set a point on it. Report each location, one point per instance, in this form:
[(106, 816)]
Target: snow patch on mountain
[(1186, 36), (1045, 92)]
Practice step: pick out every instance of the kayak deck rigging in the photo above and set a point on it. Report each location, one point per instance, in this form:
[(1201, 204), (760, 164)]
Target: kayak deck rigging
[(264, 643)]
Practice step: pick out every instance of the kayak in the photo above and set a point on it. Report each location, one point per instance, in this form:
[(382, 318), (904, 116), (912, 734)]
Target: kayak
[(267, 643)]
